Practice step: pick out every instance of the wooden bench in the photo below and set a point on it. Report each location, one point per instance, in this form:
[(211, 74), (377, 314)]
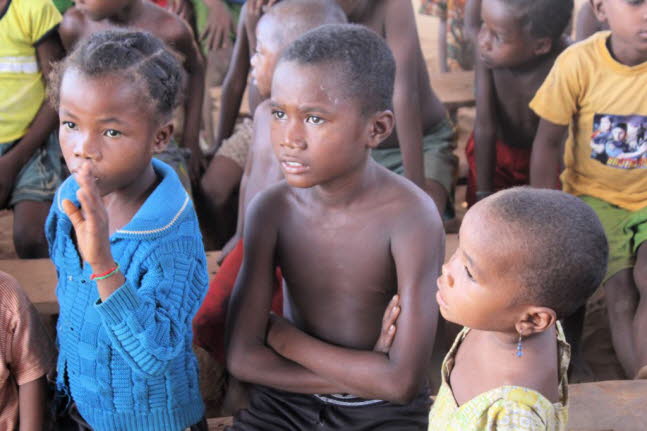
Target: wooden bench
[(600, 406), (454, 89)]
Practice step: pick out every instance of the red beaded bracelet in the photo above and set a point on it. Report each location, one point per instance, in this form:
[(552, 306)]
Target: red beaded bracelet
[(106, 274)]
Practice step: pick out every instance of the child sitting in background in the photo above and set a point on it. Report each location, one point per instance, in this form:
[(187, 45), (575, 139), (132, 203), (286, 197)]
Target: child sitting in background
[(518, 43), (507, 368), (125, 241), (597, 86), (26, 356), (88, 17), (30, 159)]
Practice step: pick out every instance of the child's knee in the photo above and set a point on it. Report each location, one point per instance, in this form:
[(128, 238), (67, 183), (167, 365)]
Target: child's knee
[(620, 293), (220, 181), (29, 241), (640, 270)]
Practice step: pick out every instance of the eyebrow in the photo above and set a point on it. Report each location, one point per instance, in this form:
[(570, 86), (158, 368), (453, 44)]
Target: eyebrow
[(111, 120)]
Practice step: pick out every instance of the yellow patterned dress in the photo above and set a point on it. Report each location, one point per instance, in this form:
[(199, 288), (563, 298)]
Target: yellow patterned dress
[(507, 408)]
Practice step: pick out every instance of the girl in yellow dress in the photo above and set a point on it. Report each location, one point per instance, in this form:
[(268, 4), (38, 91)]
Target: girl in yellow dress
[(526, 258)]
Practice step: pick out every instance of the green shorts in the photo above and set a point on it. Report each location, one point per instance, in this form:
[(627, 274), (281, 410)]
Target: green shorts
[(440, 162), (41, 175), (626, 231)]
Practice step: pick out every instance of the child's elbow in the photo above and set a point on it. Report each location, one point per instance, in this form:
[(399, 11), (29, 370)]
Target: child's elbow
[(402, 389), (238, 363)]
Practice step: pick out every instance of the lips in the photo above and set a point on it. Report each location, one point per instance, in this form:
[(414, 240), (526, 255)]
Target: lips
[(440, 300), (293, 166)]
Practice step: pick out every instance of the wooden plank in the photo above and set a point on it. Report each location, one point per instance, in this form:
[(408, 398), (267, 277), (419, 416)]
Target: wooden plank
[(454, 89), (614, 405), (218, 424)]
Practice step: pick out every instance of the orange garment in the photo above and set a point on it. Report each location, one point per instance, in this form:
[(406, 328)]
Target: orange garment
[(26, 352), (209, 323)]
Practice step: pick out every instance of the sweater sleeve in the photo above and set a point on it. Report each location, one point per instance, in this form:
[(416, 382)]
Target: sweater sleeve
[(149, 320)]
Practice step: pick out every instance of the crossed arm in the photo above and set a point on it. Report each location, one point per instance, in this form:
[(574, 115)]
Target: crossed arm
[(299, 362)]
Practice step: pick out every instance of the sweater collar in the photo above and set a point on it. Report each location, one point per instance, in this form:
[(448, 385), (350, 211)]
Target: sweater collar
[(160, 211)]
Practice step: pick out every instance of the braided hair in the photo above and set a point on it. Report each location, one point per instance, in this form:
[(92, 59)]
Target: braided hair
[(139, 56)]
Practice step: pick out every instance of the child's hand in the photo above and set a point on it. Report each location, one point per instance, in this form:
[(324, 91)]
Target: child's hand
[(257, 7), (220, 26), (90, 222), (278, 332), (387, 333)]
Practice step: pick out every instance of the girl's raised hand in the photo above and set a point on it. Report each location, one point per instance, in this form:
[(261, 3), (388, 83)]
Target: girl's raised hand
[(90, 222)]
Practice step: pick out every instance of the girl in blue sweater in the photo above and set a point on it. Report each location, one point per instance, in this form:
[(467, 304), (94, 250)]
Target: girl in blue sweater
[(125, 240)]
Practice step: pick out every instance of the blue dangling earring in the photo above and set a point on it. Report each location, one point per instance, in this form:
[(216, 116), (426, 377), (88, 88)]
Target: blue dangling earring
[(519, 347)]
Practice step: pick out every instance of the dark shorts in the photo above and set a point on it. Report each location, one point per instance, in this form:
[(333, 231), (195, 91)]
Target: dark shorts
[(274, 410), (41, 175)]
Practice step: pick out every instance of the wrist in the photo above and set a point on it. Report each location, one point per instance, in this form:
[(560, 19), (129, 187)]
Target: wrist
[(103, 265)]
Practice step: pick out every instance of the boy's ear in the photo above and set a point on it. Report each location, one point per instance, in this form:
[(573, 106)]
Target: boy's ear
[(598, 10), (162, 138), (535, 320), (381, 127), (543, 46)]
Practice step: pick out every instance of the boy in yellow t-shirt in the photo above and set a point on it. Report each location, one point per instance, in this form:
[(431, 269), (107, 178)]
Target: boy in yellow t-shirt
[(30, 161), (596, 91)]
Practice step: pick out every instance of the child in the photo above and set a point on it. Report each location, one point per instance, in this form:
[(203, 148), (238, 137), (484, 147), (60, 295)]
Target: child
[(30, 165), (88, 17), (347, 235), (501, 372), (262, 170), (125, 240), (455, 49), (604, 76), (422, 149), (26, 356), (518, 44)]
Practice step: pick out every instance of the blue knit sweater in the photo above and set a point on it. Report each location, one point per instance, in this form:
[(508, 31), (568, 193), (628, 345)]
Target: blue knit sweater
[(128, 361)]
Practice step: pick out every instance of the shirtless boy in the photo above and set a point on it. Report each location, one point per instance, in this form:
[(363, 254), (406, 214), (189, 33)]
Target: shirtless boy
[(518, 43), (91, 16), (423, 147), (347, 234)]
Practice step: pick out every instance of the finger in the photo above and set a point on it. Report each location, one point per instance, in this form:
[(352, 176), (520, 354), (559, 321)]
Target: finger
[(389, 309), (385, 341), (72, 212)]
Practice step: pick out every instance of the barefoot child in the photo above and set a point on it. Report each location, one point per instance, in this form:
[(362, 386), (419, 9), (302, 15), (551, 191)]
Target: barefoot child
[(507, 368), (347, 235), (279, 27), (125, 240), (595, 87), (30, 159), (518, 43), (88, 17), (26, 356)]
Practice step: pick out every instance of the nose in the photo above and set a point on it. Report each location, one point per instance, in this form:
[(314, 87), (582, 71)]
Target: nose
[(86, 148), (294, 137), (449, 280)]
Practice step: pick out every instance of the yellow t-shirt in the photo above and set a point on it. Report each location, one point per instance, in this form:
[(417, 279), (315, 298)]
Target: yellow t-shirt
[(506, 408), (605, 104), (23, 24)]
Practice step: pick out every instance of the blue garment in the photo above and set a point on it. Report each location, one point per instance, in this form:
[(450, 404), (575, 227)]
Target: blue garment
[(128, 362)]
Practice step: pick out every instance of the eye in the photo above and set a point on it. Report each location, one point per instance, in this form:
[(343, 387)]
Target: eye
[(112, 133), (313, 119), (469, 274), (279, 115), (69, 125), (635, 2)]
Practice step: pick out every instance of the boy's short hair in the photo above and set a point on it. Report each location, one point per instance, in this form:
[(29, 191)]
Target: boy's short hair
[(565, 247), (138, 55), (297, 17), (367, 64), (543, 18)]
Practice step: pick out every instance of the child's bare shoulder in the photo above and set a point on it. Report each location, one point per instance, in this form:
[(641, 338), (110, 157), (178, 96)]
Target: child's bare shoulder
[(167, 26)]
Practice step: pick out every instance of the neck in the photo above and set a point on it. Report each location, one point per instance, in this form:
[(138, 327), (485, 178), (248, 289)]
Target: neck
[(508, 340), (129, 13), (122, 204), (344, 190), (625, 54)]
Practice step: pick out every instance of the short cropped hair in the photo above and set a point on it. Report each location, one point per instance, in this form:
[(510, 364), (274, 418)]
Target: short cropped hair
[(141, 57), (366, 62), (565, 248), (296, 17), (542, 18)]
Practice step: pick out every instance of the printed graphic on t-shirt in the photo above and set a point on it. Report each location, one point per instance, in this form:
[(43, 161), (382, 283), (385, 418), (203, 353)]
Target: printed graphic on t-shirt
[(620, 141)]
